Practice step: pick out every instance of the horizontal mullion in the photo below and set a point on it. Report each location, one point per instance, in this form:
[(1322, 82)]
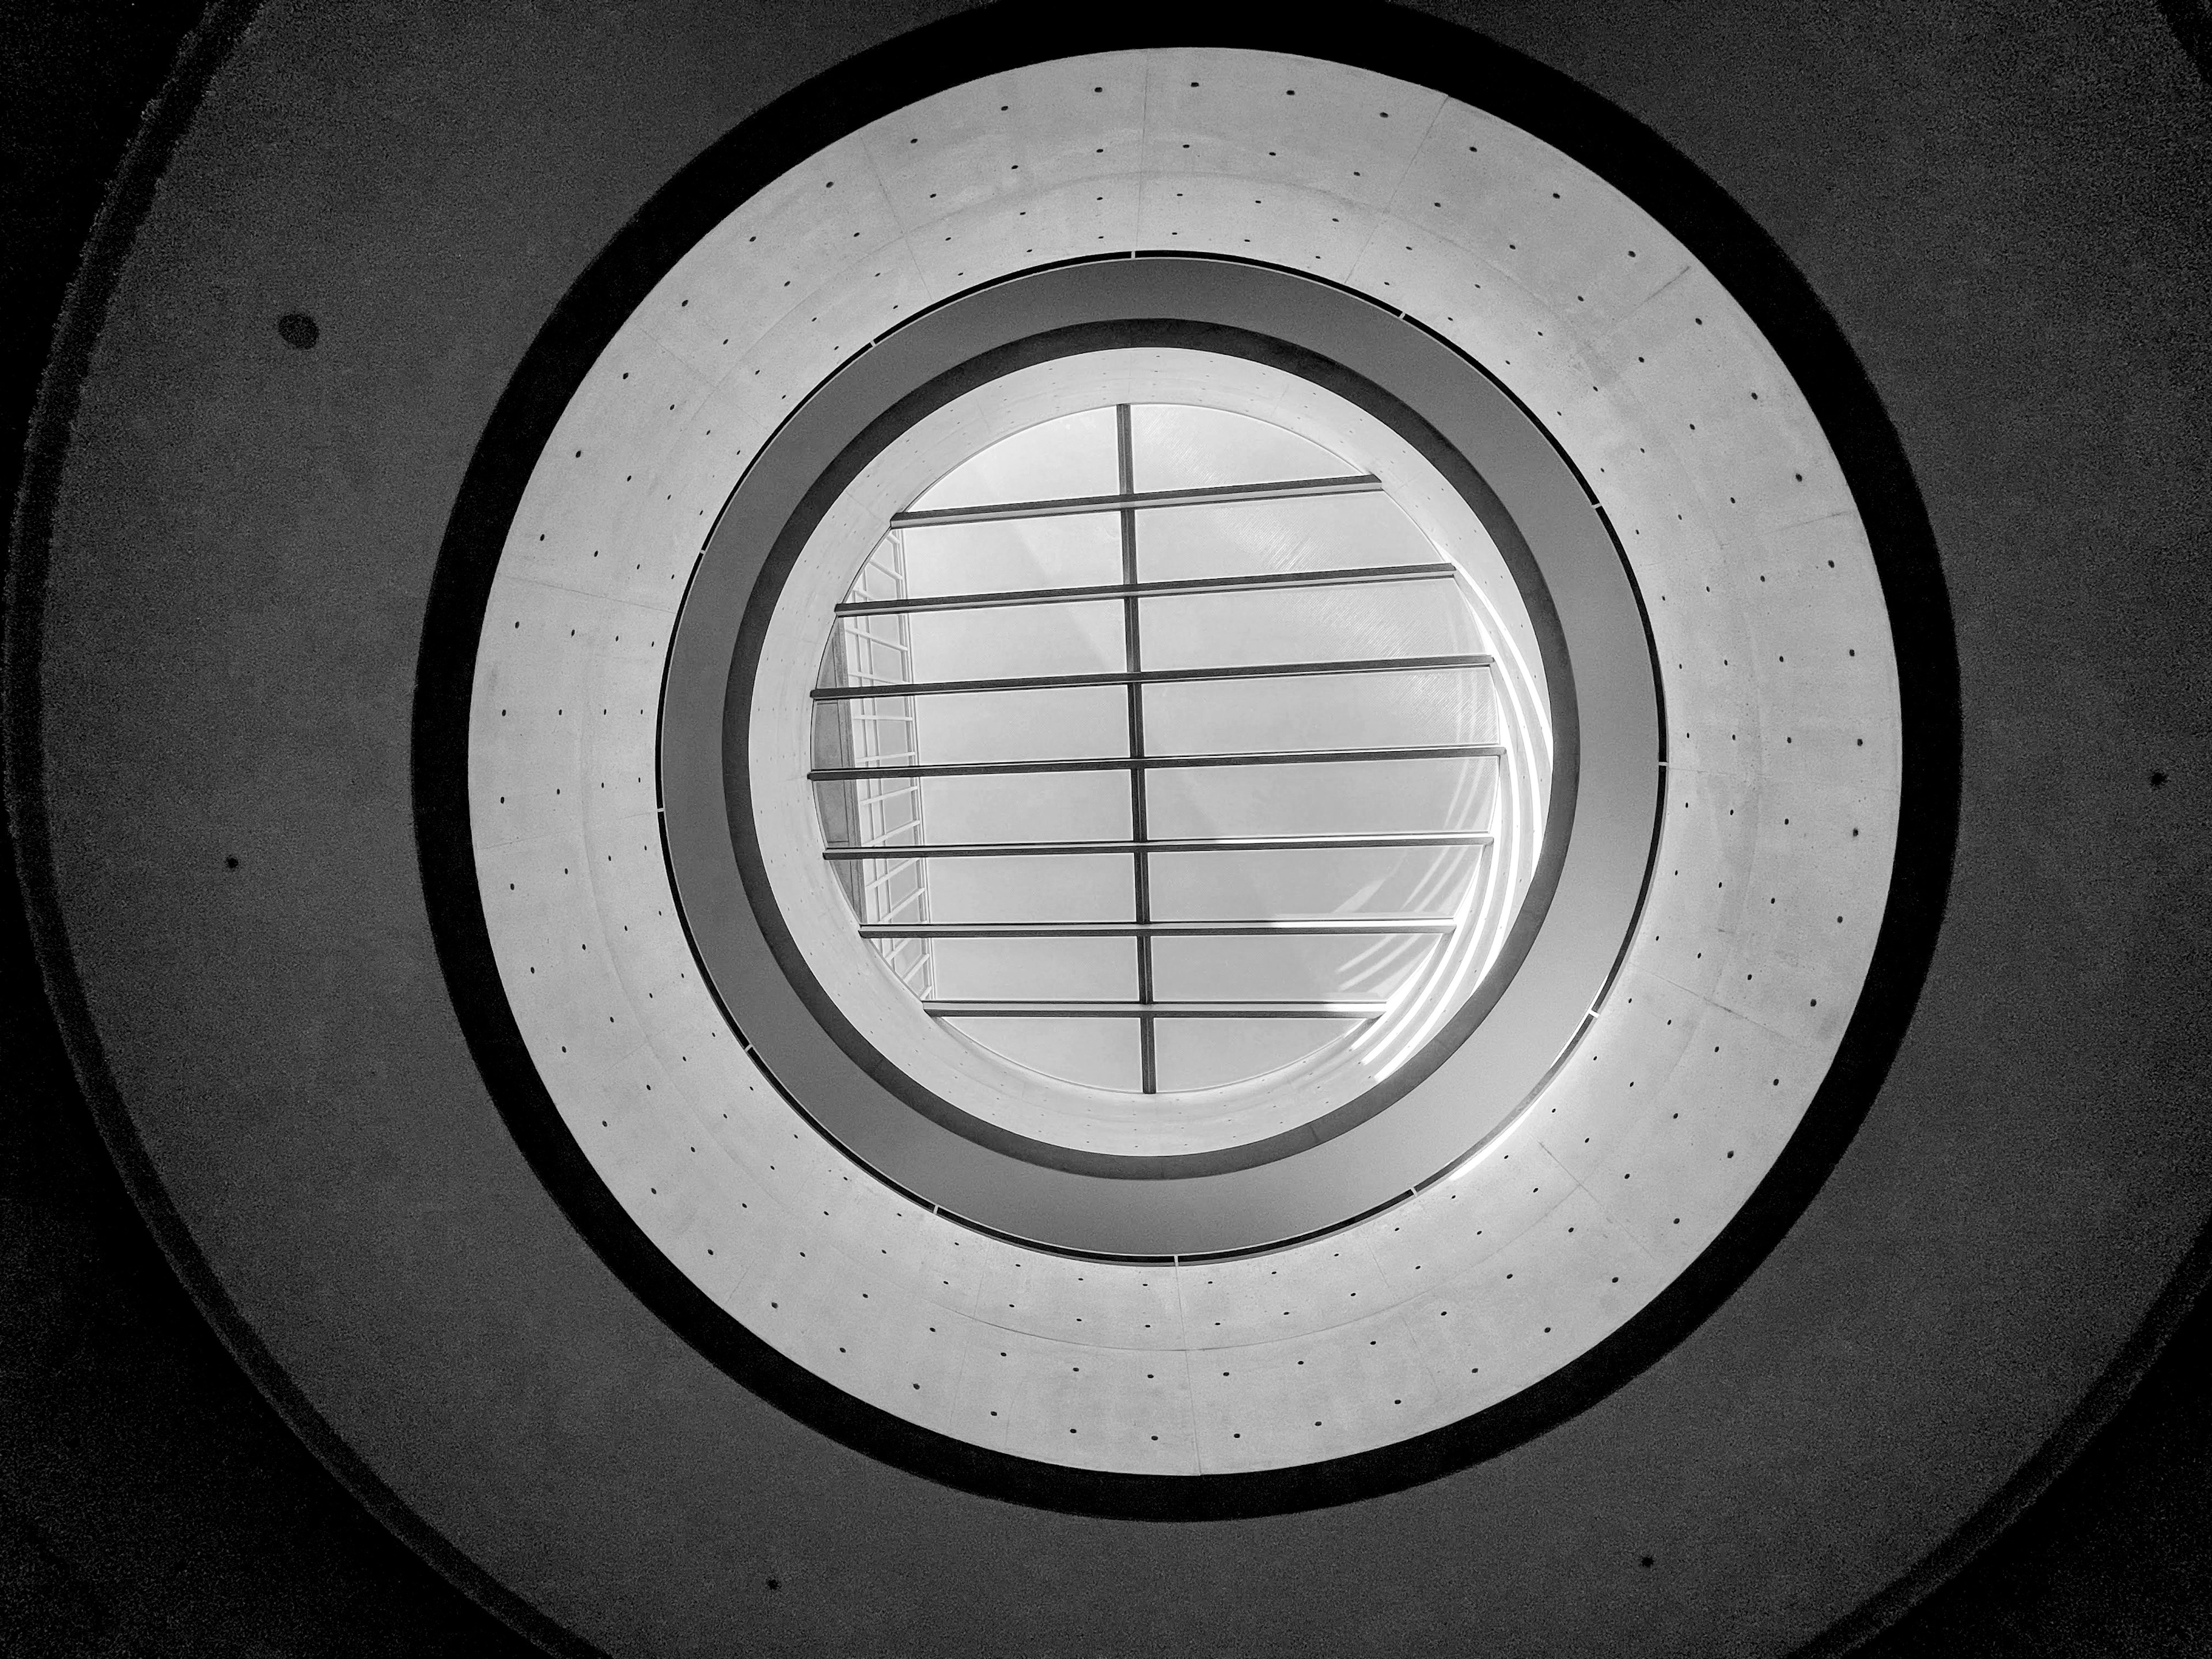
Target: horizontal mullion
[(1353, 576), (1065, 506), (983, 1009), (1154, 677), (1147, 762), (1300, 925), (991, 849)]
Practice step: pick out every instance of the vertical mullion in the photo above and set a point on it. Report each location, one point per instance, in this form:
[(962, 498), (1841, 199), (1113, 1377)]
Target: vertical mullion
[(1133, 660)]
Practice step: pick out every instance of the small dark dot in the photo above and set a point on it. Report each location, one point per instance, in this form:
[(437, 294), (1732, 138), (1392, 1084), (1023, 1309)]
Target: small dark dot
[(777, 1583), (1644, 1562), (230, 863), (2157, 782), (298, 330)]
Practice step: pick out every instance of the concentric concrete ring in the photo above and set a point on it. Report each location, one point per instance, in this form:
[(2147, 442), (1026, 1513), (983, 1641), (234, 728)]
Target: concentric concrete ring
[(1370, 1150), (1536, 1223)]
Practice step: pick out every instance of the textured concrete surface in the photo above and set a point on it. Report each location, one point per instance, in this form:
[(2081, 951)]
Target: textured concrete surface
[(2063, 536)]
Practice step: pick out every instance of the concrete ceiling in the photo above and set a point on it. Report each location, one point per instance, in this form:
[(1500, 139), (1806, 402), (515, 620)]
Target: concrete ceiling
[(252, 529)]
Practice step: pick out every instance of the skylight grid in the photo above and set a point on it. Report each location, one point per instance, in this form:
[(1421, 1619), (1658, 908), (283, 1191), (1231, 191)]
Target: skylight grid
[(1290, 658)]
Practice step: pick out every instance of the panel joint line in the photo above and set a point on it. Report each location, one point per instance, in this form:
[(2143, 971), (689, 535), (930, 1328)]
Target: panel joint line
[(1133, 662)]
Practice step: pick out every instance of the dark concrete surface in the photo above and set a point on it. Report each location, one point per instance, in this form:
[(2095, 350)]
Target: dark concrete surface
[(2013, 230)]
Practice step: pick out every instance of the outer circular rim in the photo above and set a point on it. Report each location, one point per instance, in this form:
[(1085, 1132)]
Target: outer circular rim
[(1202, 1203), (1552, 107), (1875, 452)]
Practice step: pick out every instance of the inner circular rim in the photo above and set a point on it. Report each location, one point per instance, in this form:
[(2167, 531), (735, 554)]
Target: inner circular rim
[(744, 685), (1574, 925), (1290, 1092)]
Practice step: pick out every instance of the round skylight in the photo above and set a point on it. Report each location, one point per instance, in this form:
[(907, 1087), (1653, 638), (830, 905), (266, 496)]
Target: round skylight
[(1157, 750), (1150, 753)]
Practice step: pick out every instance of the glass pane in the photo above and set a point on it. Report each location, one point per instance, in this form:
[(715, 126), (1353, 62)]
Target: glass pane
[(1248, 539), (1102, 1053), (1335, 797), (1028, 806), (1028, 640), (957, 728), (1181, 447), (1075, 550), (1203, 1054), (1395, 881), (1307, 624), (1368, 711), (1088, 887), (1037, 970), (1286, 968), (1071, 456)]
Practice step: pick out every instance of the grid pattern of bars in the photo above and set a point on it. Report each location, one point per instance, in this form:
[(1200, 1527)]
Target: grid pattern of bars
[(867, 669), (883, 806)]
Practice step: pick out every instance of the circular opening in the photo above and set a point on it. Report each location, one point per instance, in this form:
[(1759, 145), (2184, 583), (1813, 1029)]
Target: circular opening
[(1178, 761), (1281, 1155)]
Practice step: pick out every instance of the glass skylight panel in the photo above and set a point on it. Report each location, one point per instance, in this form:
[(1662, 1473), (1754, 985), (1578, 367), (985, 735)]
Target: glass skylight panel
[(1077, 887), (1071, 456), (1074, 720), (1333, 881), (1048, 640), (1186, 446), (1310, 624), (1073, 549), (1294, 968), (1103, 1054), (1191, 1056), (1073, 969), (1056, 806), (1356, 531), (1391, 710), (1352, 798)]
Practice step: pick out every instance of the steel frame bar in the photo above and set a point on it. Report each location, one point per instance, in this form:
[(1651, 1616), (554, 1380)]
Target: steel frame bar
[(1128, 500), (996, 849), (1148, 1012), (1315, 925), (1134, 676), (1353, 576), (1133, 663), (1147, 762)]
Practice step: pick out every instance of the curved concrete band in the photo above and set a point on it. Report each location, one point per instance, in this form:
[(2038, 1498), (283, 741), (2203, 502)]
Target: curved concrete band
[(1488, 1062), (1717, 1084), (1709, 1092)]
